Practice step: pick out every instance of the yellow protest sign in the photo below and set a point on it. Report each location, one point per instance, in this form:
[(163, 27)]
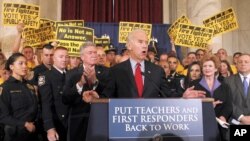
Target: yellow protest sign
[(55, 24), (222, 22), (102, 41), (194, 36), (78, 23), (43, 20), (126, 27), (172, 30), (14, 13), (73, 37), (34, 37)]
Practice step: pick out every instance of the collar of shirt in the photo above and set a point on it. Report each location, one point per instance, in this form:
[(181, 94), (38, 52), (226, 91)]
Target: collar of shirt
[(133, 65), (61, 71), (13, 79), (216, 84), (242, 78)]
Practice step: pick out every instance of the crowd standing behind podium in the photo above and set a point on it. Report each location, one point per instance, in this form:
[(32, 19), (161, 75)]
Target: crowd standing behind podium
[(49, 104)]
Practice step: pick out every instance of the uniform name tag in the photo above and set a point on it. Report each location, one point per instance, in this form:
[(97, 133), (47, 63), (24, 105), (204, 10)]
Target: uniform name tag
[(15, 91)]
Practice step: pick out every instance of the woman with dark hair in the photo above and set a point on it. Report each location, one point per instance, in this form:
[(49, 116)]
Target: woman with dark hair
[(193, 73), (18, 102), (224, 70)]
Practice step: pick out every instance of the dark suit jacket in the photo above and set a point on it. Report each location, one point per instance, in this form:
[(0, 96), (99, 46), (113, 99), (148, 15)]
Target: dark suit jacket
[(79, 114), (241, 104), (222, 93), (121, 82), (72, 97)]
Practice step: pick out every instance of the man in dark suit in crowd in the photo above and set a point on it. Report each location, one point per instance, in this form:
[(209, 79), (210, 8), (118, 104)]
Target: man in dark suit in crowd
[(241, 92), (88, 76), (50, 86), (136, 77)]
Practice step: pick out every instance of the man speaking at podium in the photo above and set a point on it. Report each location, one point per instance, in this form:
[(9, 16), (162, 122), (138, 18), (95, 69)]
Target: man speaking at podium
[(136, 77)]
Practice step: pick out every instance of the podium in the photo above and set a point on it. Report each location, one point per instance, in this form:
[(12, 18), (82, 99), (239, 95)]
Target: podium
[(98, 126)]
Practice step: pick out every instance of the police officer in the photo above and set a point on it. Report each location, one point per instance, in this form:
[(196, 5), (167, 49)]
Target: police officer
[(174, 79), (18, 102), (88, 76), (47, 61), (50, 86)]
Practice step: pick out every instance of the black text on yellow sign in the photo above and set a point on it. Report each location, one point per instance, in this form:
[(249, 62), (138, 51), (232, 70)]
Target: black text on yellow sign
[(102, 41), (172, 31), (78, 23), (14, 13), (55, 24), (222, 22), (72, 46), (52, 23), (42, 35), (126, 27), (194, 36), (73, 37)]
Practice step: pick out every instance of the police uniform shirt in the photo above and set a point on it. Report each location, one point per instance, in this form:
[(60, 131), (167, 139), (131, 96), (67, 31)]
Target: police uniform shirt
[(18, 102), (174, 81), (38, 71)]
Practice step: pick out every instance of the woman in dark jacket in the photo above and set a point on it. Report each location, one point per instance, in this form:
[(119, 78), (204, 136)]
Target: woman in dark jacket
[(18, 102), (224, 70), (193, 74), (215, 89)]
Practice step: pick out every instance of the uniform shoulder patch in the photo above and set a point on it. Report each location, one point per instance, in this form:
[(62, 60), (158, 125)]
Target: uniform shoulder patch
[(41, 80)]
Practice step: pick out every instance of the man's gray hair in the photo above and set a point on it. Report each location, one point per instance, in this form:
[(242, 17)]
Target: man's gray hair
[(85, 45)]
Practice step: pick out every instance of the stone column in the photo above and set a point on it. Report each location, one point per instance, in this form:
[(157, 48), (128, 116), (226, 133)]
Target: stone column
[(238, 40), (198, 10), (166, 12), (51, 9)]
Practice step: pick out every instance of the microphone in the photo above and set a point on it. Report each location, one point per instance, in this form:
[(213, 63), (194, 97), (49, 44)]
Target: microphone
[(154, 84)]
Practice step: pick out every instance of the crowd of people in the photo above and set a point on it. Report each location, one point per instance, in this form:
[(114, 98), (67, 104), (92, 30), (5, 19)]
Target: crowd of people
[(46, 94)]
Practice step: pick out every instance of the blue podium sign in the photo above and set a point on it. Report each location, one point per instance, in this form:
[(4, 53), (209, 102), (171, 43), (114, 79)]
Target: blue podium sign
[(156, 118)]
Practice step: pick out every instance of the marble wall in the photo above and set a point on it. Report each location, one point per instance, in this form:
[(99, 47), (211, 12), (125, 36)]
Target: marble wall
[(196, 10), (238, 40)]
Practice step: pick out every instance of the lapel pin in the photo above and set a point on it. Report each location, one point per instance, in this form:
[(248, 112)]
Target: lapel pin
[(98, 72), (149, 72)]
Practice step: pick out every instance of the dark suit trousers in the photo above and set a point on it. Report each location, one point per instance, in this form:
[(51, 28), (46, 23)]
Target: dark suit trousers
[(78, 128)]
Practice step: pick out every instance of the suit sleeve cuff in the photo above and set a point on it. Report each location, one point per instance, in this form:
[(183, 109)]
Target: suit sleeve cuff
[(79, 89), (48, 125)]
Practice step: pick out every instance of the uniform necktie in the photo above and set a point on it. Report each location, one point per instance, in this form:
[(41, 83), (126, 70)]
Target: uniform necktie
[(245, 84), (138, 79)]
